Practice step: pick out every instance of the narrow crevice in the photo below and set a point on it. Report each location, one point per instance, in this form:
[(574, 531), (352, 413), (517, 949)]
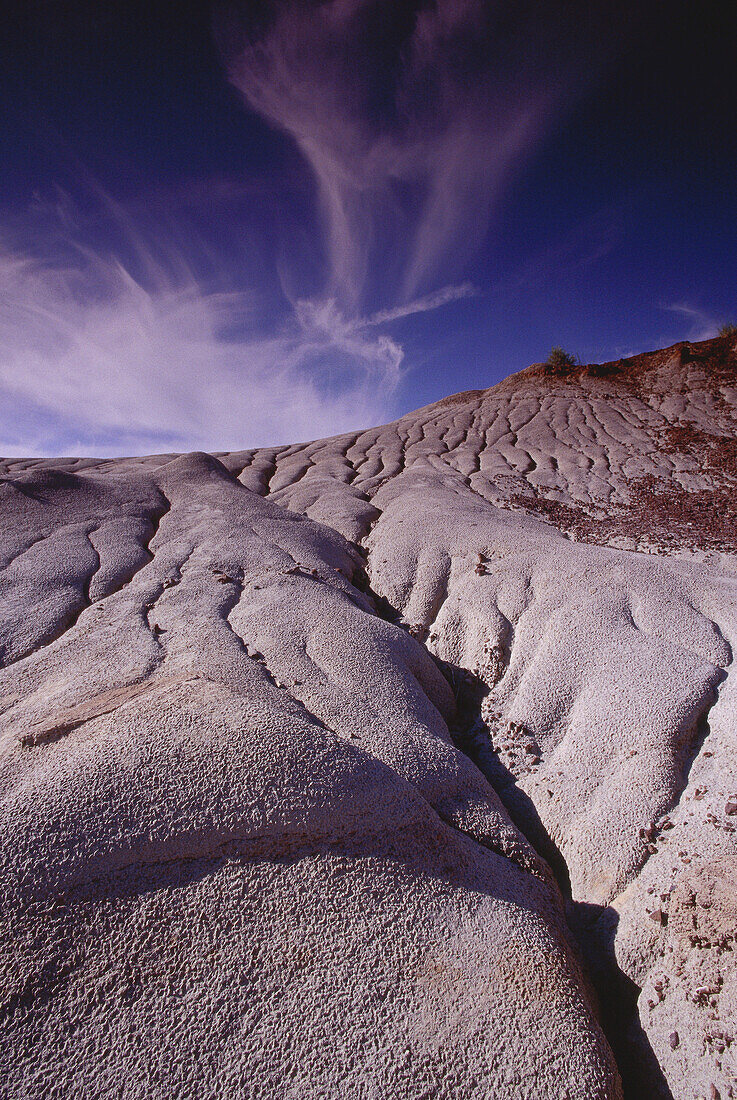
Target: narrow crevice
[(595, 928), (592, 927), (269, 473), (87, 587), (155, 519)]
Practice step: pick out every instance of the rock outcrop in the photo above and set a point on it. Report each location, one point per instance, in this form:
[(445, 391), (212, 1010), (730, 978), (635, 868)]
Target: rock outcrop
[(399, 764)]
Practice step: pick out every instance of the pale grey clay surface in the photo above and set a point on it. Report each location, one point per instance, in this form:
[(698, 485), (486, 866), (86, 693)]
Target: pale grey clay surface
[(396, 765)]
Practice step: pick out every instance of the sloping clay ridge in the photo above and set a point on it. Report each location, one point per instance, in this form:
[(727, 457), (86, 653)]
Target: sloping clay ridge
[(395, 765)]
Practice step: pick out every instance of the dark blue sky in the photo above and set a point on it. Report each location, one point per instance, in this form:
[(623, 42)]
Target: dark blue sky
[(226, 227)]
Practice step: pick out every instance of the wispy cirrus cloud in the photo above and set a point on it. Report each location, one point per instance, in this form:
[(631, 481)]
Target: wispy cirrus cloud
[(412, 118), (133, 350), (426, 304), (107, 363)]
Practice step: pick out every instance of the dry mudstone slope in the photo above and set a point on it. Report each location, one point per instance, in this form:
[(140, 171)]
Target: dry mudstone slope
[(395, 765)]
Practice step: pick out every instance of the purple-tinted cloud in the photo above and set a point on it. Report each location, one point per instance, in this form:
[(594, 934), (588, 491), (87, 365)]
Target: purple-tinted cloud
[(425, 304), (95, 358), (412, 142), (130, 348)]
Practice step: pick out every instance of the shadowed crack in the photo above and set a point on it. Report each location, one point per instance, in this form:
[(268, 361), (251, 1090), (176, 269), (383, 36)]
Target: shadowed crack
[(617, 995)]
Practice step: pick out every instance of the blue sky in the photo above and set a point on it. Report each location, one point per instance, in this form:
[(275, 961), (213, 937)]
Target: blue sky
[(223, 227)]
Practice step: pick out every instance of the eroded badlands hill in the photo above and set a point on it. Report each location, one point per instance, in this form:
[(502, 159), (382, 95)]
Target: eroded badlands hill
[(400, 764)]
